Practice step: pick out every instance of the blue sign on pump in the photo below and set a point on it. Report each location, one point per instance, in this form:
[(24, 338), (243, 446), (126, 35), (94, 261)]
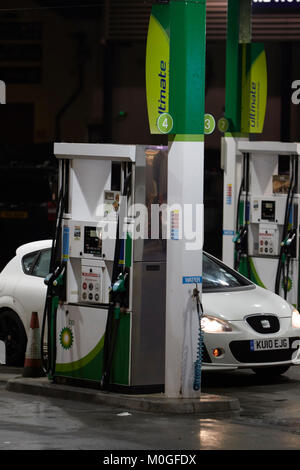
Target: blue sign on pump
[(192, 280), (66, 237)]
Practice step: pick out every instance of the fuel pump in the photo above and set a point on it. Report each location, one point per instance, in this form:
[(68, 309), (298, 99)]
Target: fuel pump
[(265, 211), (102, 307)]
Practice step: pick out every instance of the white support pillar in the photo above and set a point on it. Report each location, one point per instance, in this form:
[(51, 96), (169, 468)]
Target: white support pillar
[(184, 265)]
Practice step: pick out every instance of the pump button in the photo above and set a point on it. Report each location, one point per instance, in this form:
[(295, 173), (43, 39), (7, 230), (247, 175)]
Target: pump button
[(84, 285)]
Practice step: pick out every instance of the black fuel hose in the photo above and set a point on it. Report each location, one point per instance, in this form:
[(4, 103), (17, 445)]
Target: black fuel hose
[(288, 207), (112, 325), (48, 362)]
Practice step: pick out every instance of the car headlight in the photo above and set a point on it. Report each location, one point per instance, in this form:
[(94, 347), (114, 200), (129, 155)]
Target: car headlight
[(214, 325), (295, 318)]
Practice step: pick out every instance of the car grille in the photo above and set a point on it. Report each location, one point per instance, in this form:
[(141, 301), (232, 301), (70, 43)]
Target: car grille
[(264, 324), (242, 352)]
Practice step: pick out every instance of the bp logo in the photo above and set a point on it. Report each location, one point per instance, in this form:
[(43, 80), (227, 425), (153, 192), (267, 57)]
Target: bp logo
[(66, 338)]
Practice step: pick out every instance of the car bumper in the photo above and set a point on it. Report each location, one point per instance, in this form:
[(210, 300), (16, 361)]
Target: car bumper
[(237, 351)]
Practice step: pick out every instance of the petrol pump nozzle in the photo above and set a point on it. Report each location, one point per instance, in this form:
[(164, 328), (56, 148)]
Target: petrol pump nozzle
[(289, 239), (118, 294), (240, 242), (55, 278), (119, 285), (240, 235)]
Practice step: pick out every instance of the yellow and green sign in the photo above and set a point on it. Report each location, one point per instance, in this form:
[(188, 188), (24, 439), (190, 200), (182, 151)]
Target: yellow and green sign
[(157, 67), (254, 88), (246, 78), (175, 68)]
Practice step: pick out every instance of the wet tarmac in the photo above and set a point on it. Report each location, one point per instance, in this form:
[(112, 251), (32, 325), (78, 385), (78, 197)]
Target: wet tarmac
[(269, 419)]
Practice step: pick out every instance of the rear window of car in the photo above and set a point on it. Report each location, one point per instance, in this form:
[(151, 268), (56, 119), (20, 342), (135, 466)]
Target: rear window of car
[(28, 261), (37, 263), (217, 276)]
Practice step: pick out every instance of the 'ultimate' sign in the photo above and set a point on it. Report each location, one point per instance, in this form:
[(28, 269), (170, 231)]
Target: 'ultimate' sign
[(175, 68), (254, 88), (157, 65)]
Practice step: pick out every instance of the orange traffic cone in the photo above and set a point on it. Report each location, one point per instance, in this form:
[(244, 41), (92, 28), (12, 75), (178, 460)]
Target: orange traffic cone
[(33, 361)]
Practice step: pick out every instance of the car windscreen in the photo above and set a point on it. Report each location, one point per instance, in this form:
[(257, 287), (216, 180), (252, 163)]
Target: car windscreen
[(217, 276)]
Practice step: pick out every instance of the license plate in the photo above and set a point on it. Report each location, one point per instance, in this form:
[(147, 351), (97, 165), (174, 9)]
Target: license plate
[(269, 344)]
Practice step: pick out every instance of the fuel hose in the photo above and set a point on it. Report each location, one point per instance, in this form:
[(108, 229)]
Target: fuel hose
[(113, 319)]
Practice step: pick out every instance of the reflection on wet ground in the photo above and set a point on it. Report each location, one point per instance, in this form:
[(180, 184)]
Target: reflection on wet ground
[(269, 419), (265, 401)]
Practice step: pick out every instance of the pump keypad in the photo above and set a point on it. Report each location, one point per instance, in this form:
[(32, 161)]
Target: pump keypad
[(91, 285), (266, 242)]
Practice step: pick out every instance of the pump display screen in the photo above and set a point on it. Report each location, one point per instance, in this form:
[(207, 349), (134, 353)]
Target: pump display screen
[(92, 241), (268, 210)]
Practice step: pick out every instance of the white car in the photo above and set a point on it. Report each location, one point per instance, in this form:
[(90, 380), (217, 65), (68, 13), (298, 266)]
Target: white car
[(244, 325), (22, 291)]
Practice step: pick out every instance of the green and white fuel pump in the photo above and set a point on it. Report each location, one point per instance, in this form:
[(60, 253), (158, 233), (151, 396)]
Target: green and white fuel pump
[(260, 205), (107, 324), (129, 311), (107, 291), (261, 214)]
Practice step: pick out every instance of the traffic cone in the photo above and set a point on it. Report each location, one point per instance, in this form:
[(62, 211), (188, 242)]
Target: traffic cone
[(33, 360)]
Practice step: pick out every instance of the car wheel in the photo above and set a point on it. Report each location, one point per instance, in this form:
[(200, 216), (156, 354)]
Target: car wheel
[(271, 371), (12, 332)]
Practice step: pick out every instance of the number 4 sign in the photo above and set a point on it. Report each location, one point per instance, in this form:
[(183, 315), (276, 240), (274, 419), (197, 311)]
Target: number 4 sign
[(165, 123)]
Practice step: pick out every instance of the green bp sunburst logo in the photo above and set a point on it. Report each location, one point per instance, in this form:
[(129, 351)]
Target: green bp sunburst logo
[(66, 338)]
